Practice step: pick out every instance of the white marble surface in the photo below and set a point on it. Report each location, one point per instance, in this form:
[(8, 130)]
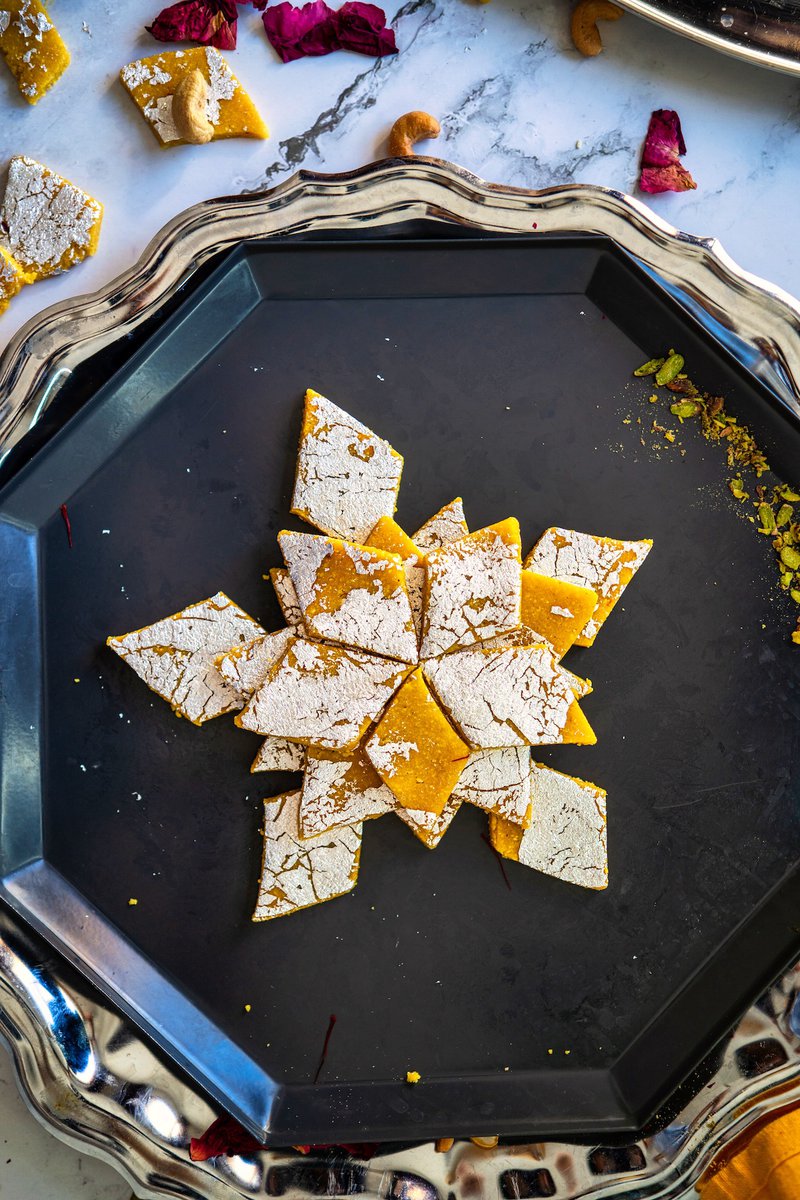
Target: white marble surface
[(517, 106)]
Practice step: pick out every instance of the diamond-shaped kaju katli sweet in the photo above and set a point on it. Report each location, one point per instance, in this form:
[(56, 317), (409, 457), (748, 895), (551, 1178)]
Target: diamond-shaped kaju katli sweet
[(413, 675)]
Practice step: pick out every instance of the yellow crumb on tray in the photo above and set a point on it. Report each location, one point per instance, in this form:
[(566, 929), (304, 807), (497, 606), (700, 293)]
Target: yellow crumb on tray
[(413, 1077), (49, 224), (152, 82), (32, 47)]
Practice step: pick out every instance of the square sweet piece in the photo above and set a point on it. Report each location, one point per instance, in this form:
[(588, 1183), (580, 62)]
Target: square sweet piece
[(246, 667), (473, 589), (347, 477), (297, 872), (351, 594), (47, 223), (603, 564), (287, 599), (387, 535), (430, 827), (32, 47), (567, 836), (151, 84), (415, 749), (12, 278), (340, 791), (176, 657), (278, 754), (445, 526), (498, 696), (324, 696), (499, 782)]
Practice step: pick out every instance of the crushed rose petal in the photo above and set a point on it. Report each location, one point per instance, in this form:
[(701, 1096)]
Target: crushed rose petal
[(225, 1136), (661, 170), (316, 29), (207, 22)]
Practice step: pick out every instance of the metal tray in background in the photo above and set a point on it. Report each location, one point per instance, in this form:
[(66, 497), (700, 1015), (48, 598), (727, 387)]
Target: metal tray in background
[(506, 378), (764, 33)]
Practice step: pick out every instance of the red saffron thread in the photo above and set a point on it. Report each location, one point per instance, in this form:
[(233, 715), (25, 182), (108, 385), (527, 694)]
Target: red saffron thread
[(65, 515), (499, 858), (324, 1055)]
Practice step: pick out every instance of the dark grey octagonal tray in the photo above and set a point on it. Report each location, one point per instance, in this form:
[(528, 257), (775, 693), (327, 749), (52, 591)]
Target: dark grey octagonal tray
[(502, 370)]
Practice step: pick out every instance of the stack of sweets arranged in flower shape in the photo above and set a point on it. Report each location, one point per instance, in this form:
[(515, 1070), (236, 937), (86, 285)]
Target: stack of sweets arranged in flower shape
[(414, 674)]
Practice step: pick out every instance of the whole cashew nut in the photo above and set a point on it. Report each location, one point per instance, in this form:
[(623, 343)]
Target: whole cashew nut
[(583, 25), (410, 128), (189, 109)]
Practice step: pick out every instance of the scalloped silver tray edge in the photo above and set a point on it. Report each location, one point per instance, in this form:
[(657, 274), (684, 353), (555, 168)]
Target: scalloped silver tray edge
[(127, 1104)]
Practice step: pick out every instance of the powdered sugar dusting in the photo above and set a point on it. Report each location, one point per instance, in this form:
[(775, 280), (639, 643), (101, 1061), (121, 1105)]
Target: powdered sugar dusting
[(340, 792), (351, 594), (247, 666), (429, 827), (499, 782), (278, 754), (385, 756), (503, 697), (287, 598), (322, 695), (446, 526)]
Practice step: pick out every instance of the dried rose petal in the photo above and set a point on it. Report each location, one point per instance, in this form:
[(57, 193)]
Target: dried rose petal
[(224, 1136), (660, 170), (363, 28), (315, 29), (297, 32), (666, 179), (207, 22)]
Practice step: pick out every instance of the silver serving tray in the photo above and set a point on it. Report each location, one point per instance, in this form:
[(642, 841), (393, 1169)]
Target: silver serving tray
[(765, 33), (125, 1102)]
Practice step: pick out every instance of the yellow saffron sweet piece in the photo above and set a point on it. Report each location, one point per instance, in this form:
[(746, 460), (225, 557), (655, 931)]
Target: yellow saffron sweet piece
[(12, 278), (298, 872), (577, 731), (446, 526), (323, 696), (49, 223), (430, 827), (473, 589), (555, 609), (388, 535), (415, 749), (176, 657), (351, 594), (347, 477), (413, 1077), (567, 836), (340, 791), (32, 47), (151, 84)]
